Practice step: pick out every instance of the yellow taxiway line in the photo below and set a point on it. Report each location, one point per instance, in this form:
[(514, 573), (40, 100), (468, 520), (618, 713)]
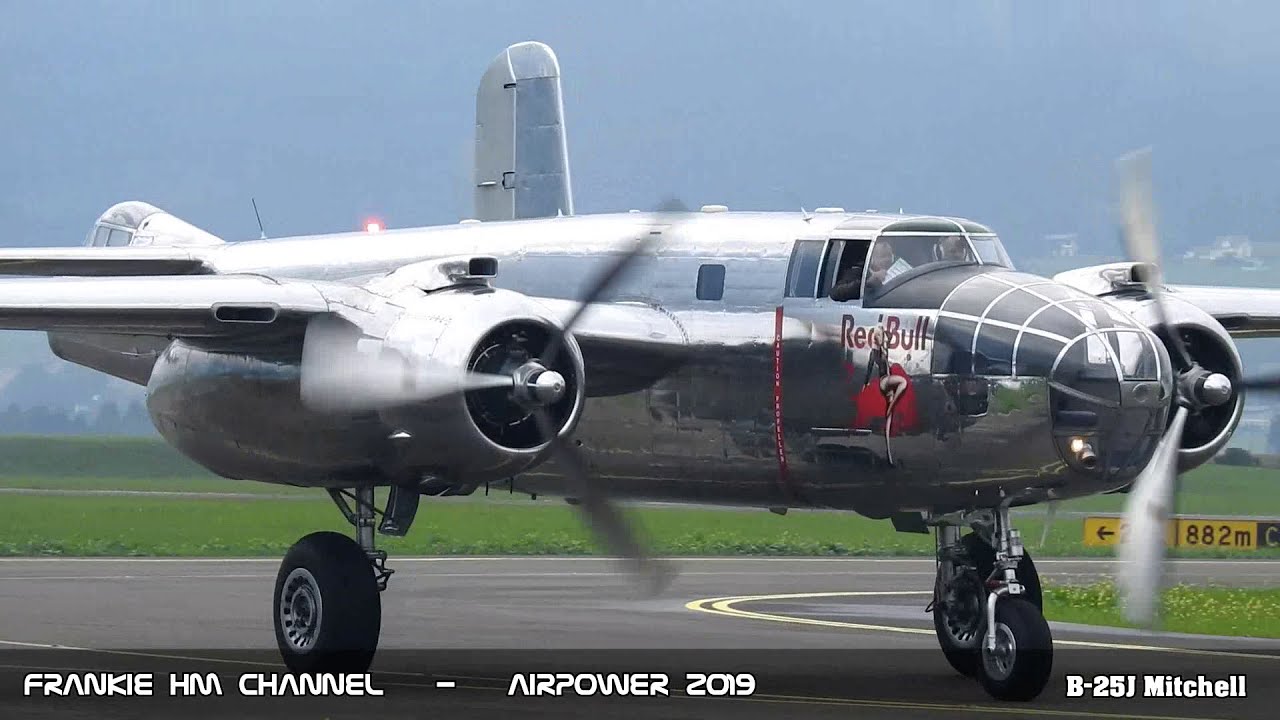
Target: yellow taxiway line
[(727, 606)]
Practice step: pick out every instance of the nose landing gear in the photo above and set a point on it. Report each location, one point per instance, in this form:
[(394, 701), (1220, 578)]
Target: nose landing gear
[(987, 607)]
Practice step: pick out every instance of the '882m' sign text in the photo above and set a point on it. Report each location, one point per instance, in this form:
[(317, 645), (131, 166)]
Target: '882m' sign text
[(1230, 533)]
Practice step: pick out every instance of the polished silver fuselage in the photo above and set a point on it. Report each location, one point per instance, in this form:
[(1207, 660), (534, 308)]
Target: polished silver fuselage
[(762, 414)]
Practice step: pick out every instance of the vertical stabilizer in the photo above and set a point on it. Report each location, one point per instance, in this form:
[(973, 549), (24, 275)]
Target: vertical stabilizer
[(522, 158)]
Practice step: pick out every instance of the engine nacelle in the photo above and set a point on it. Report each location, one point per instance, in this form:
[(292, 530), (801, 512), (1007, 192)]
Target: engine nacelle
[(1209, 344), (486, 434)]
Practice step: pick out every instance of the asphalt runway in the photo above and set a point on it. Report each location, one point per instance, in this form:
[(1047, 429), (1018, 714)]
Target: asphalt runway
[(820, 636)]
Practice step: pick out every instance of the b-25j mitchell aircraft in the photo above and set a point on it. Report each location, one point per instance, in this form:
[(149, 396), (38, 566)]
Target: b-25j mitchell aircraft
[(894, 365)]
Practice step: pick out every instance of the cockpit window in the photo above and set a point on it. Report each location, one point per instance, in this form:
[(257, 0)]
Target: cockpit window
[(119, 238), (894, 254), (990, 251)]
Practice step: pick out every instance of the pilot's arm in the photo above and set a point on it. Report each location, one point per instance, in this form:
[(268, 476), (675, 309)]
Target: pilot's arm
[(849, 286), (876, 278)]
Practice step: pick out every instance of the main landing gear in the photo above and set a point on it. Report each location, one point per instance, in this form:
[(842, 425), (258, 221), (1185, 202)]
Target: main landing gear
[(327, 609), (987, 606)]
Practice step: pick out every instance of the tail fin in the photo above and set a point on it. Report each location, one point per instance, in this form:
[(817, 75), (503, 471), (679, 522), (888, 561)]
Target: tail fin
[(522, 157)]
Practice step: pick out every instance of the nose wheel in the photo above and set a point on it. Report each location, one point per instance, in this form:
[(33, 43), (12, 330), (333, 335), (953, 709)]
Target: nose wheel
[(987, 611), (1018, 663)]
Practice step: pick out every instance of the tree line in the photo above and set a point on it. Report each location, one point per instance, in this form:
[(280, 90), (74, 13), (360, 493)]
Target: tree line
[(109, 419)]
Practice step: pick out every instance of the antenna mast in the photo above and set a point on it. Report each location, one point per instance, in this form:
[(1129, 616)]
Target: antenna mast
[(262, 234)]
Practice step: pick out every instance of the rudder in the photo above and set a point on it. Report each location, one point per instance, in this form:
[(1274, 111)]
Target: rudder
[(522, 156)]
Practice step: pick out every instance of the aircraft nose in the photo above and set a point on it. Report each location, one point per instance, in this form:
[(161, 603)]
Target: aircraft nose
[(1108, 378)]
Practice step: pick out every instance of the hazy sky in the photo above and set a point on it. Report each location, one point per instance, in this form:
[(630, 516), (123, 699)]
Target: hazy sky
[(1010, 113)]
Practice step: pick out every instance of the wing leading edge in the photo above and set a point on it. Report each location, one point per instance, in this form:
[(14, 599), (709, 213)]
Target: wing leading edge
[(1244, 312), (100, 262), (166, 306)]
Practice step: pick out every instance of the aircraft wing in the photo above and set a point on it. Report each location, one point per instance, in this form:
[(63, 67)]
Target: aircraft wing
[(166, 306), (101, 261), (625, 346), (1244, 312)]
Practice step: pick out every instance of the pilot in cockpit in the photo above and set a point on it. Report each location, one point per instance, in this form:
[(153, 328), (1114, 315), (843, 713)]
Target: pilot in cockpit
[(849, 285), (882, 260), (953, 248)]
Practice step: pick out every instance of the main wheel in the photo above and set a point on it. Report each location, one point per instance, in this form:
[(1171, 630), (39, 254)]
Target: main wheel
[(1019, 666), (327, 610), (959, 611), (958, 621)]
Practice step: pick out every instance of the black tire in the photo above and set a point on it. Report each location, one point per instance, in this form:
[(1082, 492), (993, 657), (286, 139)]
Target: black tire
[(959, 629), (959, 632), (1020, 667), (326, 580)]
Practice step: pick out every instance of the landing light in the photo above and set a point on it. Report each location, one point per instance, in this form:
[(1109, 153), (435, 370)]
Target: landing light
[(1084, 453)]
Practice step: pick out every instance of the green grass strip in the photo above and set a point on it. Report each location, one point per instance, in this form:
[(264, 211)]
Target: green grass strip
[(1183, 608)]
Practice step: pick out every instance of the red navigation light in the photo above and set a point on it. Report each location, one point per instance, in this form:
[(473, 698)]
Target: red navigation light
[(374, 225)]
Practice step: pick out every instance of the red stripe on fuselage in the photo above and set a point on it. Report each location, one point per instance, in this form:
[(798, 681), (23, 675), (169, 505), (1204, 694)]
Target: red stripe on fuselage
[(779, 442)]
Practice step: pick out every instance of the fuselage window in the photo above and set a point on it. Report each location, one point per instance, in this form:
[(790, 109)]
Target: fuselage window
[(802, 274), (119, 238), (710, 282)]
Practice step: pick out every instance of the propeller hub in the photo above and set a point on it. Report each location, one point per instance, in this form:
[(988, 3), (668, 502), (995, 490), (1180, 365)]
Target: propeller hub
[(1214, 389), (536, 386), (547, 387)]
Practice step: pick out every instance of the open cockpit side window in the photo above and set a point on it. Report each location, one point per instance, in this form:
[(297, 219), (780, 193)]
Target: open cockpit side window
[(843, 270)]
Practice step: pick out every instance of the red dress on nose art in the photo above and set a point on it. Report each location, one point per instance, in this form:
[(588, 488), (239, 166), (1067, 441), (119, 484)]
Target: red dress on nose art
[(869, 404)]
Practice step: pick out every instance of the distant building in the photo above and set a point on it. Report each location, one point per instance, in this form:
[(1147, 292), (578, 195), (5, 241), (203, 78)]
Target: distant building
[(1064, 245), (1235, 250), (1223, 247)]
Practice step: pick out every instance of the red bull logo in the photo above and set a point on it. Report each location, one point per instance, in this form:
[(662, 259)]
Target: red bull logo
[(915, 337)]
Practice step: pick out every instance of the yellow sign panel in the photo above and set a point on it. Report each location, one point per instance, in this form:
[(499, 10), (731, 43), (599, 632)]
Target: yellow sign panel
[(1100, 531), (1240, 534), (1192, 532)]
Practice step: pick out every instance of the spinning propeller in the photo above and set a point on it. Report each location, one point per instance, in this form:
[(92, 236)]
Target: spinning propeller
[(601, 515), (1151, 500), (343, 373)]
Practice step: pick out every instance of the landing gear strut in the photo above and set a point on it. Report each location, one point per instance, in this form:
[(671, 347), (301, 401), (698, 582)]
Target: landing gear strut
[(327, 609), (987, 607)]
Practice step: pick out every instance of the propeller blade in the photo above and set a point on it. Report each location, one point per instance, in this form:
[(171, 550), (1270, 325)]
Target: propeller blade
[(1138, 218), (597, 289), (609, 524), (342, 372), (1146, 517)]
